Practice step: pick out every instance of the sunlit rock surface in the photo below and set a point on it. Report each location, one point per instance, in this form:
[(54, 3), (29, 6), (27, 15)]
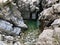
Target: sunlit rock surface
[(48, 37), (45, 38), (56, 22), (57, 33), (46, 33)]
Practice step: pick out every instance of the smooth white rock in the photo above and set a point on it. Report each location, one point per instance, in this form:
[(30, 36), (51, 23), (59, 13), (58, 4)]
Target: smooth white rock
[(56, 22)]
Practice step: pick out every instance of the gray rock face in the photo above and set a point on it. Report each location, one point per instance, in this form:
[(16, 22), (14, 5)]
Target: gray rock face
[(12, 15), (51, 16), (46, 33), (19, 22), (17, 30), (11, 22), (48, 3), (27, 6), (47, 16), (8, 28), (57, 8), (31, 3), (46, 38), (46, 13), (5, 25), (57, 34)]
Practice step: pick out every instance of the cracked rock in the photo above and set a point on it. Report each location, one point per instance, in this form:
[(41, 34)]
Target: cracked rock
[(12, 15), (8, 28)]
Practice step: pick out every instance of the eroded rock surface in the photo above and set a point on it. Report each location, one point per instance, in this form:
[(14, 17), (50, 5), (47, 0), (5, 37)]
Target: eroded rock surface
[(48, 37), (51, 17)]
